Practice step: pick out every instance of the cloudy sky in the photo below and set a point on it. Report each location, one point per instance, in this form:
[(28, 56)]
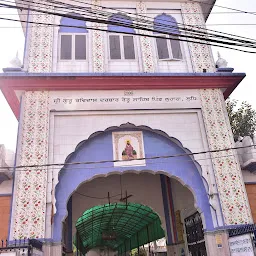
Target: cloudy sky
[(12, 40)]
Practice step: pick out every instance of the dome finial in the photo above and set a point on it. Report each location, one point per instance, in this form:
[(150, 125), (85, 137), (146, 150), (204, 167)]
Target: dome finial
[(221, 63), (16, 62)]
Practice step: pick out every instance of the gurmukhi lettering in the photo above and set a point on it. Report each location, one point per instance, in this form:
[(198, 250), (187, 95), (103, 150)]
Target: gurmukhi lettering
[(173, 99), (109, 100), (85, 100), (140, 99)]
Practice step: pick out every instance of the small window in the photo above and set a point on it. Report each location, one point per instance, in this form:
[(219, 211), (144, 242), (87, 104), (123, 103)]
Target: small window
[(80, 47), (129, 53), (115, 49), (66, 47), (162, 48), (73, 47), (168, 48), (121, 47)]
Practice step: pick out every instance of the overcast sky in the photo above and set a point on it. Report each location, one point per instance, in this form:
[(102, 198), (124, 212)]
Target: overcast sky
[(12, 40)]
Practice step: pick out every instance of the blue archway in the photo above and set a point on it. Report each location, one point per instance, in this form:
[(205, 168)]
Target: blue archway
[(99, 147)]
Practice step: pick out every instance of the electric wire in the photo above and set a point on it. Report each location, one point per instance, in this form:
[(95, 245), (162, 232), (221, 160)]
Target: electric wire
[(162, 25), (223, 7), (194, 13), (220, 44), (116, 161), (135, 34), (143, 16)]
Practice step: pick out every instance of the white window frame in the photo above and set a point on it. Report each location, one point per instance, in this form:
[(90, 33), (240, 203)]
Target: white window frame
[(122, 47), (73, 36), (169, 47)]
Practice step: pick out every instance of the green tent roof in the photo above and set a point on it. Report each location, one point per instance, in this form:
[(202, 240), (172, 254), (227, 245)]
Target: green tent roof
[(119, 226)]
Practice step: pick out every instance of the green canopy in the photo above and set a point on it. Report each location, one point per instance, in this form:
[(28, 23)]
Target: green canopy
[(121, 227)]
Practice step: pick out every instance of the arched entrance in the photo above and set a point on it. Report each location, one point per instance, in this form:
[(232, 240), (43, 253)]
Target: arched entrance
[(119, 227), (157, 144)]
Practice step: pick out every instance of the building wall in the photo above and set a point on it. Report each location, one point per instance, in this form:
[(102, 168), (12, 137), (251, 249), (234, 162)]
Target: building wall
[(5, 204), (251, 193), (42, 44)]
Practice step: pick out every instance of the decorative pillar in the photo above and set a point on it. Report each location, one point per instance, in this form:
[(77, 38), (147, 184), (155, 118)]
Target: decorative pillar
[(98, 50), (201, 54), (232, 193), (145, 44), (29, 204), (40, 42)]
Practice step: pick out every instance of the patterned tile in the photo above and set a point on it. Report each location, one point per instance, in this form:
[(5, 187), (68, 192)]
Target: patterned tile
[(228, 174), (201, 55), (145, 44), (98, 43), (40, 43), (30, 199)]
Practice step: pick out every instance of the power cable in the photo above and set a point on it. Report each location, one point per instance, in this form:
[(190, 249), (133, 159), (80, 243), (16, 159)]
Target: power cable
[(194, 13), (220, 44), (94, 197), (111, 167), (140, 15), (162, 25), (224, 7), (116, 161)]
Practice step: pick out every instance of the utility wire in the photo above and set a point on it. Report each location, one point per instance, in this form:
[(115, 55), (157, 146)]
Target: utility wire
[(224, 7), (143, 16), (116, 161), (94, 197), (142, 28), (222, 45), (78, 8), (194, 13)]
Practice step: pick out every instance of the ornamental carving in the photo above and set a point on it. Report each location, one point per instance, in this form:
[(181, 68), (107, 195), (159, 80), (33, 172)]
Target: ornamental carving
[(30, 183), (145, 44), (201, 54), (98, 43), (40, 43), (227, 170)]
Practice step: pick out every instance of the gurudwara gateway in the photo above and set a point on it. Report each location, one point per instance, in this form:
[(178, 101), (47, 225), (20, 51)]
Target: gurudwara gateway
[(124, 144)]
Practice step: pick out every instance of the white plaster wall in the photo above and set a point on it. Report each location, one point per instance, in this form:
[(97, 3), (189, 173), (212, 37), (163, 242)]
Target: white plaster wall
[(6, 187), (73, 127)]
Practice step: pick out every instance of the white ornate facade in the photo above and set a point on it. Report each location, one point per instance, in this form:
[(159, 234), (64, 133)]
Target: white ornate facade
[(67, 103)]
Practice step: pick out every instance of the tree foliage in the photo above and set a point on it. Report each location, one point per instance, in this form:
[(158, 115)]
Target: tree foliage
[(242, 119)]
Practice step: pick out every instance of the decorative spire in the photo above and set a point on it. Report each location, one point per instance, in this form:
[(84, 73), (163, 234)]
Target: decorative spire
[(16, 62), (221, 63)]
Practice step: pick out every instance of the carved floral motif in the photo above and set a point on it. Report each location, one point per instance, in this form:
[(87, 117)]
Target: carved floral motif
[(30, 194), (201, 54), (40, 43), (145, 44), (228, 174)]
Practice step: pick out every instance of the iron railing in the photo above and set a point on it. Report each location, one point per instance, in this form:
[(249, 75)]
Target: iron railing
[(22, 247)]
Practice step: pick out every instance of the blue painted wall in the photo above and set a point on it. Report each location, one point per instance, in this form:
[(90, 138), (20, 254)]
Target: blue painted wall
[(100, 148)]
